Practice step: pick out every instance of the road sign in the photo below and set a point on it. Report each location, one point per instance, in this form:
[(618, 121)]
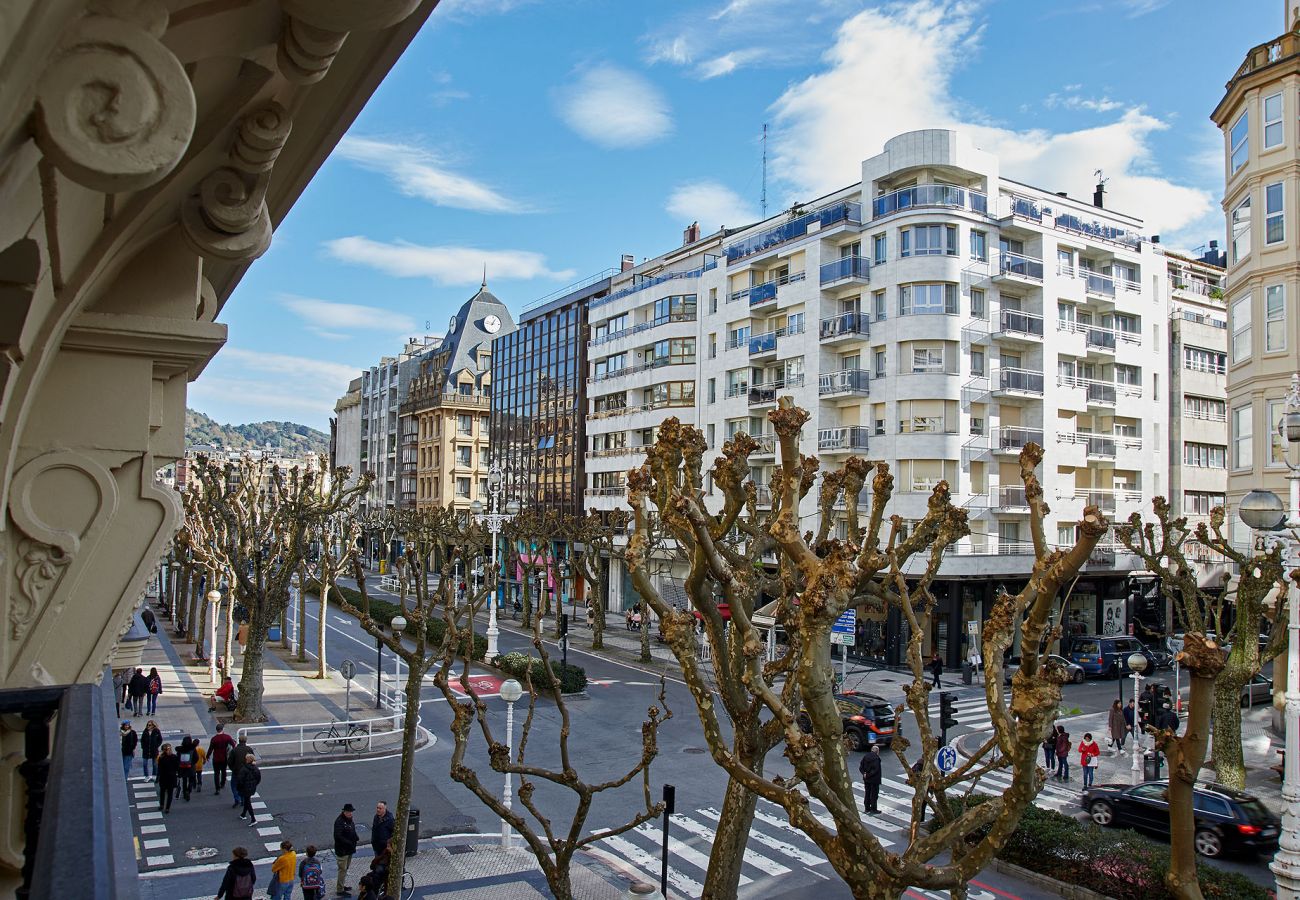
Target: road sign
[(946, 759), (348, 670), (847, 623), (840, 638)]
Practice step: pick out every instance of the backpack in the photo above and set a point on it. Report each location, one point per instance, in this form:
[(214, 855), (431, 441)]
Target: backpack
[(243, 886), (312, 876), (186, 760)]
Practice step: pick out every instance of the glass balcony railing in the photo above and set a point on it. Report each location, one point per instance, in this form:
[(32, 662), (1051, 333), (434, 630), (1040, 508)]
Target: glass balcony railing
[(1101, 338), (1010, 439), (845, 381), (835, 213), (768, 392), (846, 267), (1101, 392), (1094, 283), (848, 437), (1020, 381), (846, 324), (1099, 446), (929, 195), (762, 343), (1013, 321), (1012, 498), (1021, 266)]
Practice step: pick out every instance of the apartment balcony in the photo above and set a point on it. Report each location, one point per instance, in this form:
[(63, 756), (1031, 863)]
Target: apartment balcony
[(645, 326), (738, 390), (1097, 447), (673, 403), (1108, 501), (1016, 268), (765, 444), (643, 367), (612, 490), (766, 394), (608, 452), (1014, 382), (1101, 393), (1010, 499), (762, 495), (845, 439), (766, 343), (762, 295), (845, 327), (828, 216), (1097, 285), (942, 196), (1019, 328), (844, 383), (1011, 440), (847, 270)]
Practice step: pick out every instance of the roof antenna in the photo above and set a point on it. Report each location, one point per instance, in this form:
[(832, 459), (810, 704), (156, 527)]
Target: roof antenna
[(763, 200), (485, 276)]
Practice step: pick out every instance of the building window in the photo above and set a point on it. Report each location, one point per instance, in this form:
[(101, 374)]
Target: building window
[(1274, 214), (1242, 434), (1240, 138), (977, 362), (465, 457), (1204, 456), (927, 359), (879, 249), (1201, 503), (927, 299), (1273, 135), (713, 390), (465, 424), (462, 488), (1275, 409), (879, 358), (1275, 317), (1198, 359), (1208, 408), (978, 308), (1241, 329), (878, 305), (1241, 230), (979, 245), (977, 426), (928, 240)]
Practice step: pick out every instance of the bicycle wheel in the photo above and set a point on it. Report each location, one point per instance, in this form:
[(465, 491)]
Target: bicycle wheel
[(358, 739), (327, 741), (408, 886)]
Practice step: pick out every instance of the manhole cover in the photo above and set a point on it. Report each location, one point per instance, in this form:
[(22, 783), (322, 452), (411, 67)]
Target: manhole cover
[(694, 750), (201, 853), (294, 818), (460, 848)]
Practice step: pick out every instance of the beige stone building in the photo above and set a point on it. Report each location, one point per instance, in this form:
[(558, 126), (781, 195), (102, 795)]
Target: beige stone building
[(147, 152), (444, 419), (1260, 119)]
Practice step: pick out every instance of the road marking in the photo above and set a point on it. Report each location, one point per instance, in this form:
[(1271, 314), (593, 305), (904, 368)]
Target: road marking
[(766, 840), (268, 831), (148, 816), (272, 845), (156, 844), (650, 867), (757, 860), (682, 851), (152, 829), (166, 860)]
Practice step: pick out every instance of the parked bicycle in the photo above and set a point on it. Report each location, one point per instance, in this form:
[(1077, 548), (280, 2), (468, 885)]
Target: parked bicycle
[(332, 738)]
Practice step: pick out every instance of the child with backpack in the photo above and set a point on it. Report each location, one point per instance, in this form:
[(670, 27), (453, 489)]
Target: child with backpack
[(240, 877), (311, 876)]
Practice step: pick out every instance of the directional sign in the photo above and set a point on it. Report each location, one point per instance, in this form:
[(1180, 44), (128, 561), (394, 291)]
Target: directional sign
[(846, 623), (946, 759), (348, 670)]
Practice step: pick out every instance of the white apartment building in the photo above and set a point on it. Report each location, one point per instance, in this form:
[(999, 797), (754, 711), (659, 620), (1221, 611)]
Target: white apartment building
[(345, 431), (936, 316)]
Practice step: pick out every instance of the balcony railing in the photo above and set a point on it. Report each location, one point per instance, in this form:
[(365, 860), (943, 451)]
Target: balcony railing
[(1015, 322), (1020, 381), (1095, 283), (641, 282), (1020, 266), (1106, 500), (929, 195), (845, 381), (609, 490), (1011, 498), (848, 437), (766, 444), (673, 403), (738, 390), (644, 367), (926, 425), (1206, 415), (1199, 318), (856, 267), (845, 324), (615, 451), (761, 293), (1097, 230), (766, 342), (766, 393), (644, 326), (835, 213), (1012, 439)]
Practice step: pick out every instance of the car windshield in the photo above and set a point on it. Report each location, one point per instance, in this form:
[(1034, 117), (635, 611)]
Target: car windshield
[(1086, 648), (884, 714), (1256, 812)]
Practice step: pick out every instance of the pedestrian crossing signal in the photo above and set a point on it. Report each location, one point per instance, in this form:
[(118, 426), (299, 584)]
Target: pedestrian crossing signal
[(947, 712)]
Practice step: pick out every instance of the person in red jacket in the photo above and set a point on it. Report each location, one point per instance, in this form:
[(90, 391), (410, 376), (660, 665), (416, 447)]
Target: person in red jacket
[(219, 755), (1088, 754)]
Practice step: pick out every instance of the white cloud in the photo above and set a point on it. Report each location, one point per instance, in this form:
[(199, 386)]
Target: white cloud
[(248, 386), (728, 63), (615, 108), (675, 49), (338, 321), (1137, 8), (822, 135), (711, 204), (1074, 101), (445, 265), (420, 173)]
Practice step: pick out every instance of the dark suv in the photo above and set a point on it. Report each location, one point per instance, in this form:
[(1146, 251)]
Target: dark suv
[(1227, 821), (1107, 656), (867, 720)]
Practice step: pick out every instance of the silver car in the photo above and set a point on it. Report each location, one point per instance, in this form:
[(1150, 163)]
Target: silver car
[(1258, 692), (1074, 669)]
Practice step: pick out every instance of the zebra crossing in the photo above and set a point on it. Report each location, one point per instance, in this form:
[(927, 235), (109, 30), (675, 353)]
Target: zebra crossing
[(777, 848)]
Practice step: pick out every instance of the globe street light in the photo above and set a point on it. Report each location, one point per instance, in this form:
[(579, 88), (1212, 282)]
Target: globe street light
[(510, 691), (1137, 664), (398, 624), (495, 520), (214, 604)]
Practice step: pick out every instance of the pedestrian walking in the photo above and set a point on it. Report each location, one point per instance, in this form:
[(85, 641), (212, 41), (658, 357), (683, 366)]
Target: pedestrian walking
[(1049, 752), (185, 764), (381, 829), (153, 690), (150, 744), (1088, 754), (236, 761), (219, 749), (280, 886), (168, 775), (1119, 727), (345, 844), (936, 668), (373, 881), (591, 615), (136, 690), (1130, 719), (1062, 754), (239, 879), (1167, 718), (121, 679), (311, 876), (147, 617), (130, 740), (200, 757), (871, 776), (249, 777)]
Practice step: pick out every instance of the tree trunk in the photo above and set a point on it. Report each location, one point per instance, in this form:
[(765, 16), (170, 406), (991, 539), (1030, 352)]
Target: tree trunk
[(722, 881), (194, 620), (250, 680), (645, 632), (1229, 765), (414, 681), (557, 878), (598, 621), (322, 670), (230, 630), (1186, 756)]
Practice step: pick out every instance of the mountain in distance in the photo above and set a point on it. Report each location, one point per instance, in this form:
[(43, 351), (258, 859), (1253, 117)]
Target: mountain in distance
[(289, 438)]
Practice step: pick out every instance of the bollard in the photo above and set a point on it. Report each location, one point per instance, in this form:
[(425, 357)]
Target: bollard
[(639, 890)]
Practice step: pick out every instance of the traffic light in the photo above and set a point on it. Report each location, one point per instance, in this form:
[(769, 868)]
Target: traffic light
[(564, 624), (947, 712)]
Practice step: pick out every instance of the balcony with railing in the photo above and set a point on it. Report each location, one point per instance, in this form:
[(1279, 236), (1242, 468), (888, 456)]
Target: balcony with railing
[(1008, 499), (1199, 318), (762, 495), (766, 394), (656, 363), (1097, 284), (1017, 325), (846, 270), (845, 382), (1107, 500), (641, 282), (1022, 382), (766, 342), (606, 452), (1013, 439), (765, 444), (739, 389), (669, 403), (644, 326), (1018, 267), (609, 490), (827, 216), (850, 326), (760, 294), (944, 196), (844, 439)]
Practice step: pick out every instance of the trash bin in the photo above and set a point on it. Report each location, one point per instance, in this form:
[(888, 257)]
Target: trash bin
[(412, 832), (273, 633), (967, 673), (1150, 766)]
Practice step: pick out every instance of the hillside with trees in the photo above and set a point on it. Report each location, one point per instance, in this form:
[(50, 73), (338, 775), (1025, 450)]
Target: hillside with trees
[(290, 438)]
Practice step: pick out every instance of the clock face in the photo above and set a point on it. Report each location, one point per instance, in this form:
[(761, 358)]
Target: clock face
[(452, 326), (492, 324)]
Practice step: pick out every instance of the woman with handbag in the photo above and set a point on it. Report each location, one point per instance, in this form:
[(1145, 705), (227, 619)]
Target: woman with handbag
[(1088, 754)]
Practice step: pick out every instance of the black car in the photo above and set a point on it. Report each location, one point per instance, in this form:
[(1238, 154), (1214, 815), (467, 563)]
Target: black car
[(1227, 821), (1074, 671), (868, 719)]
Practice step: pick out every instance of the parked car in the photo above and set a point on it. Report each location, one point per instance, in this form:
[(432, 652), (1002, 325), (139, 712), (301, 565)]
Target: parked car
[(1076, 671), (1106, 656), (868, 719), (1164, 659), (1227, 821), (1257, 692)]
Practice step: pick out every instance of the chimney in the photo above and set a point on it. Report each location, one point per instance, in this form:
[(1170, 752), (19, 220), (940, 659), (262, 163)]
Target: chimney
[(629, 262), (691, 234), (1099, 194), (1155, 238), (1062, 194)]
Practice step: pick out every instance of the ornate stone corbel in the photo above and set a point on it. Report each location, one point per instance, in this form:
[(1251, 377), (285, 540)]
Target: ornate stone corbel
[(227, 219), (314, 31), (114, 108)]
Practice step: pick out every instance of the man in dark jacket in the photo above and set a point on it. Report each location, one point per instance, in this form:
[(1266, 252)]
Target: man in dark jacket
[(870, 769), (1167, 718), (381, 829), (240, 877), (220, 749), (345, 844), (235, 759), (249, 777), (129, 742), (136, 690)]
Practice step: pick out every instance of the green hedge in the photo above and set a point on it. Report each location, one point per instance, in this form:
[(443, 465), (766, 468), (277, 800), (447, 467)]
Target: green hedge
[(518, 665), (1116, 862), (383, 611)]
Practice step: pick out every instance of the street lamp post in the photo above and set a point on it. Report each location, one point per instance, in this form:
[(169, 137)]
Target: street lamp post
[(495, 520), (214, 605), (1137, 663), (398, 624), (510, 692)]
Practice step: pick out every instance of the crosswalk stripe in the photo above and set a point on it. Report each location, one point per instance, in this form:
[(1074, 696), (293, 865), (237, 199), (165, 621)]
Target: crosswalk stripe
[(829, 822), (681, 850), (649, 866), (767, 840), (757, 860)]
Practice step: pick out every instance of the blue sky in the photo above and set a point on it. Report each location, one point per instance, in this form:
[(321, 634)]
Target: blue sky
[(545, 138)]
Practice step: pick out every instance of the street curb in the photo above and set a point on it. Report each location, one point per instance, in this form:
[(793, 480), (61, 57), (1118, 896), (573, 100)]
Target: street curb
[(424, 738), (1059, 888)]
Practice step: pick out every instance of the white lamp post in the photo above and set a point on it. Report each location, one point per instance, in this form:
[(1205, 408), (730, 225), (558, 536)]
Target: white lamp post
[(510, 692), (1137, 663), (495, 520), (214, 605), (398, 624)]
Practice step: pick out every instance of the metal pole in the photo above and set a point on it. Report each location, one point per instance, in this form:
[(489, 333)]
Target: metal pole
[(670, 797), (1286, 864), (506, 794), (379, 671), (212, 653), (844, 667), (1137, 729)]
